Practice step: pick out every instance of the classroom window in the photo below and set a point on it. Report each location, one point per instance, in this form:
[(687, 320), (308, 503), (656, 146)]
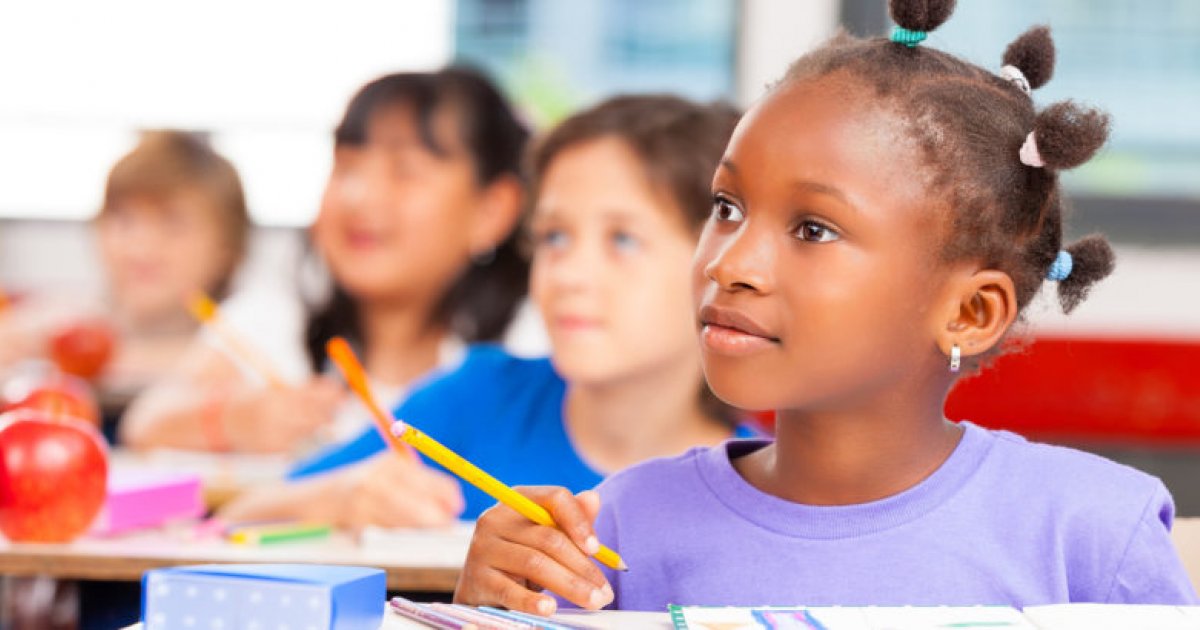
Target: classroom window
[(554, 57)]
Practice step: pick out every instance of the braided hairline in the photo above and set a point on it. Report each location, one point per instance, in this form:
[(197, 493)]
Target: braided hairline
[(1015, 231)]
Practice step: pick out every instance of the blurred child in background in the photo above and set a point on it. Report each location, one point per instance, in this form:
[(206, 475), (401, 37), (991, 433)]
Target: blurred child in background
[(416, 229), (173, 220)]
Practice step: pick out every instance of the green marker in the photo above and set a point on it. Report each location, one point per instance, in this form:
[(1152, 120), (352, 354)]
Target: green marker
[(273, 534)]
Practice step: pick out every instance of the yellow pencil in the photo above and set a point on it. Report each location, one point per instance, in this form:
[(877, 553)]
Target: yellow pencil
[(397, 434), (204, 309)]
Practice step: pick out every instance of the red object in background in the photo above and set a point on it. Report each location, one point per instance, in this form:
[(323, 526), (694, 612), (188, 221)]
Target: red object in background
[(58, 395), (53, 476), (1089, 390), (764, 420), (83, 348)]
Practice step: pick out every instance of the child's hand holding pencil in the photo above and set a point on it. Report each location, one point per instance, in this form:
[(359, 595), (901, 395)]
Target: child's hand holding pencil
[(511, 558), (554, 544)]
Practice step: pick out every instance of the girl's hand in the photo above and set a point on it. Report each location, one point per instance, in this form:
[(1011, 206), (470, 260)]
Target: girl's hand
[(279, 418), (392, 491), (511, 558)]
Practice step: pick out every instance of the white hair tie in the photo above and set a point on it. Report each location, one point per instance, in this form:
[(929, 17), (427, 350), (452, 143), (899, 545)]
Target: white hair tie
[(1029, 152), (1013, 75)]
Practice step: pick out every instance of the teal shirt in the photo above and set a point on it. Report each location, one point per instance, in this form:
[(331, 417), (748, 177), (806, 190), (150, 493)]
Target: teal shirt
[(502, 413)]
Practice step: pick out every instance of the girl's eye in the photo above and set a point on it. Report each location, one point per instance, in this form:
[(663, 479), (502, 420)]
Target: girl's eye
[(624, 241), (724, 210), (814, 232), (553, 238)]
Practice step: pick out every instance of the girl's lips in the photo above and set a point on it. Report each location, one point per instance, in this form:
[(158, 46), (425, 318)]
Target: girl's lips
[(363, 240), (733, 342), (731, 332), (575, 324)]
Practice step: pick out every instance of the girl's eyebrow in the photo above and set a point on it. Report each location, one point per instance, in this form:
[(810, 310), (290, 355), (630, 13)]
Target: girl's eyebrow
[(619, 215), (542, 214), (822, 189), (802, 185)]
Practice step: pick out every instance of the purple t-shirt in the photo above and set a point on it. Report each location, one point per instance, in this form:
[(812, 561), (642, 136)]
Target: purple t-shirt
[(1002, 521)]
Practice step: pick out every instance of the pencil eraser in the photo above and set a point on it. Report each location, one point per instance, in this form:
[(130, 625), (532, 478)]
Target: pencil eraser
[(264, 596), (139, 499), (398, 428)]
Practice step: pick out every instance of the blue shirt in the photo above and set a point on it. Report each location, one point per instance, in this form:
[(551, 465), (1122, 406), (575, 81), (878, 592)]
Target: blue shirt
[(500, 412)]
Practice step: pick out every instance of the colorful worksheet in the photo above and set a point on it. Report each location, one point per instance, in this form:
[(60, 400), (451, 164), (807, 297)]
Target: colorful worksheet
[(848, 618)]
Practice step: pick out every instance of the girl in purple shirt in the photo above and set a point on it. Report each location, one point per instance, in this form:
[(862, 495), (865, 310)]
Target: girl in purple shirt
[(880, 220)]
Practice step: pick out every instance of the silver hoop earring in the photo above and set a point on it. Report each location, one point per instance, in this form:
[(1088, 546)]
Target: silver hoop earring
[(955, 358)]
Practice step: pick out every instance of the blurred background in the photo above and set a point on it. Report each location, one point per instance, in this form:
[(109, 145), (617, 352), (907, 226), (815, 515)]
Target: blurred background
[(264, 82)]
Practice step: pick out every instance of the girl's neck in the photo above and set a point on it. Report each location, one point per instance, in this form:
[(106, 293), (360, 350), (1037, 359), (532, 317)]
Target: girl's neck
[(401, 340), (656, 413), (858, 454)]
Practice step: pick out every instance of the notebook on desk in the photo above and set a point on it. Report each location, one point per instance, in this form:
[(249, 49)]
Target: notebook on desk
[(847, 618), (1056, 617)]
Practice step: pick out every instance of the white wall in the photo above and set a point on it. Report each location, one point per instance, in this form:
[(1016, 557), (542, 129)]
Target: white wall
[(268, 77), (774, 33)]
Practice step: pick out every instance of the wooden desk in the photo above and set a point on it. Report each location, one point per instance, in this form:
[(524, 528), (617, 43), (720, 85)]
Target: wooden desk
[(415, 560)]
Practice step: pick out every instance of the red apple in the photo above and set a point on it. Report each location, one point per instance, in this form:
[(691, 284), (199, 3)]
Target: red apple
[(54, 393), (83, 348), (53, 476)]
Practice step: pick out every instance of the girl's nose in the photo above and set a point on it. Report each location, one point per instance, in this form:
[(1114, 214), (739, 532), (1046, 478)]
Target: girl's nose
[(744, 261), (352, 190), (575, 264)]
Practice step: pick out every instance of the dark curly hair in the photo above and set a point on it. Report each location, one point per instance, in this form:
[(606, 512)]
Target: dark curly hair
[(970, 124)]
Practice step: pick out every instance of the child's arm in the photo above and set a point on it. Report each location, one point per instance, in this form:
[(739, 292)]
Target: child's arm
[(385, 491), (203, 404), (511, 559)]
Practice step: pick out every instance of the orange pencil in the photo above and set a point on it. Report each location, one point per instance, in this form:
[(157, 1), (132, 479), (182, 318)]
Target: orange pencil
[(342, 355), (205, 310), (397, 433)]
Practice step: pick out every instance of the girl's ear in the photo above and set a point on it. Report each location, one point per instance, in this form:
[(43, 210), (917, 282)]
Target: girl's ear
[(497, 214), (979, 311)]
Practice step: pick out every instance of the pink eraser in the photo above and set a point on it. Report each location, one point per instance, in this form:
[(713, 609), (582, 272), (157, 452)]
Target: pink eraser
[(138, 499)]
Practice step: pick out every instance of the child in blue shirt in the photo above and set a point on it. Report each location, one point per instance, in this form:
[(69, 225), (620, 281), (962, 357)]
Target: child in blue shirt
[(620, 193), (880, 219), (504, 413)]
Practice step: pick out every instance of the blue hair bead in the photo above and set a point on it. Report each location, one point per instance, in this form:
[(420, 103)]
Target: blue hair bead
[(901, 35), (1060, 269)]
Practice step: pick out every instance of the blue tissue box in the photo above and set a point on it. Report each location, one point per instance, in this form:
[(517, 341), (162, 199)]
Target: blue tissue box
[(264, 597)]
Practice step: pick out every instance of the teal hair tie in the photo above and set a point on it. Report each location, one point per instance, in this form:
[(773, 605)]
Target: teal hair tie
[(1060, 269), (901, 35)]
